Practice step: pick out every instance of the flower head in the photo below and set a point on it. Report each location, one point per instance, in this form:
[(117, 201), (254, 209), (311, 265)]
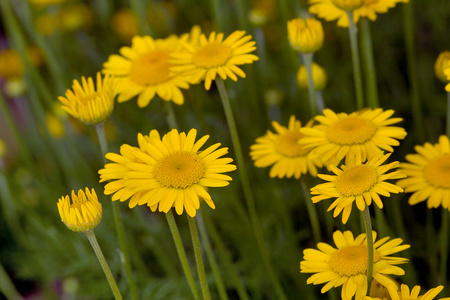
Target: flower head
[(168, 172), (346, 265), (215, 56), (305, 36), (442, 63), (12, 65), (360, 134), (357, 182), (331, 10), (144, 69), (319, 77), (406, 294), (447, 73), (428, 174), (124, 24), (83, 213), (89, 104), (282, 150)]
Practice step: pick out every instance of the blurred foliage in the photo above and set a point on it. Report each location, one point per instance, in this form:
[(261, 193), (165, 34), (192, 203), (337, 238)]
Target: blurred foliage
[(47, 261)]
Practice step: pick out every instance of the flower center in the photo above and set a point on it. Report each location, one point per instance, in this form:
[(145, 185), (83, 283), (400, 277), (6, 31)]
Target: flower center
[(350, 131), (287, 144), (212, 55), (437, 172), (151, 68), (351, 261), (179, 170), (348, 4), (356, 180)]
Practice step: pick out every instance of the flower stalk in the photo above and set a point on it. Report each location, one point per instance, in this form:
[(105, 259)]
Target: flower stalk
[(368, 64), (307, 60), (248, 195), (369, 238), (101, 258), (353, 33)]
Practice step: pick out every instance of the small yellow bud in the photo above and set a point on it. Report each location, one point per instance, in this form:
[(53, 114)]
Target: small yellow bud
[(305, 36), (442, 63), (83, 214), (319, 77)]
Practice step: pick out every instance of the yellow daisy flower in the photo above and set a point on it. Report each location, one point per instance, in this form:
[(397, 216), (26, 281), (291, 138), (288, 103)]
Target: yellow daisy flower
[(145, 70), (346, 265), (406, 294), (428, 174), (83, 214), (442, 63), (360, 134), (282, 150), (215, 55), (357, 182), (305, 36), (89, 104), (168, 172), (328, 10)]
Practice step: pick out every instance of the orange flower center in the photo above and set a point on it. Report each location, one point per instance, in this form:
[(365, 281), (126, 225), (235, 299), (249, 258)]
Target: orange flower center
[(179, 170), (437, 172), (351, 131), (351, 261), (151, 69), (287, 144), (356, 180), (212, 55)]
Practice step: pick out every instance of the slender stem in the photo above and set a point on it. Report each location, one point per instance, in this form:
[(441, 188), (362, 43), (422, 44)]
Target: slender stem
[(101, 258), (100, 129), (198, 258), (369, 238), (353, 32), (7, 287), (211, 258), (225, 258), (410, 32), (444, 246), (170, 115), (181, 253), (368, 64), (248, 195), (307, 60), (319, 101), (140, 9), (312, 212)]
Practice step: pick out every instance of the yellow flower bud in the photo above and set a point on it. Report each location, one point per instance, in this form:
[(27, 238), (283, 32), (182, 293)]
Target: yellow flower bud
[(319, 77), (54, 125), (348, 4), (83, 214), (305, 36), (442, 63)]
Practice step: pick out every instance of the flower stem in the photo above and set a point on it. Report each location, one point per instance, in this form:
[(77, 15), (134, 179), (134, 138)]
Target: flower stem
[(410, 32), (248, 195), (369, 64), (198, 258), (353, 33), (307, 60), (369, 238), (182, 254), (312, 212), (100, 129), (101, 258), (444, 246), (170, 115)]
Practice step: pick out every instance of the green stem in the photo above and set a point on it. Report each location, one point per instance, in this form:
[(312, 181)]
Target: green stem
[(409, 33), (369, 238), (170, 116), (248, 195), (353, 33), (225, 258), (181, 253), (368, 64), (101, 258), (312, 212), (7, 287), (100, 129), (307, 60), (211, 258), (444, 246), (198, 258), (140, 11)]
